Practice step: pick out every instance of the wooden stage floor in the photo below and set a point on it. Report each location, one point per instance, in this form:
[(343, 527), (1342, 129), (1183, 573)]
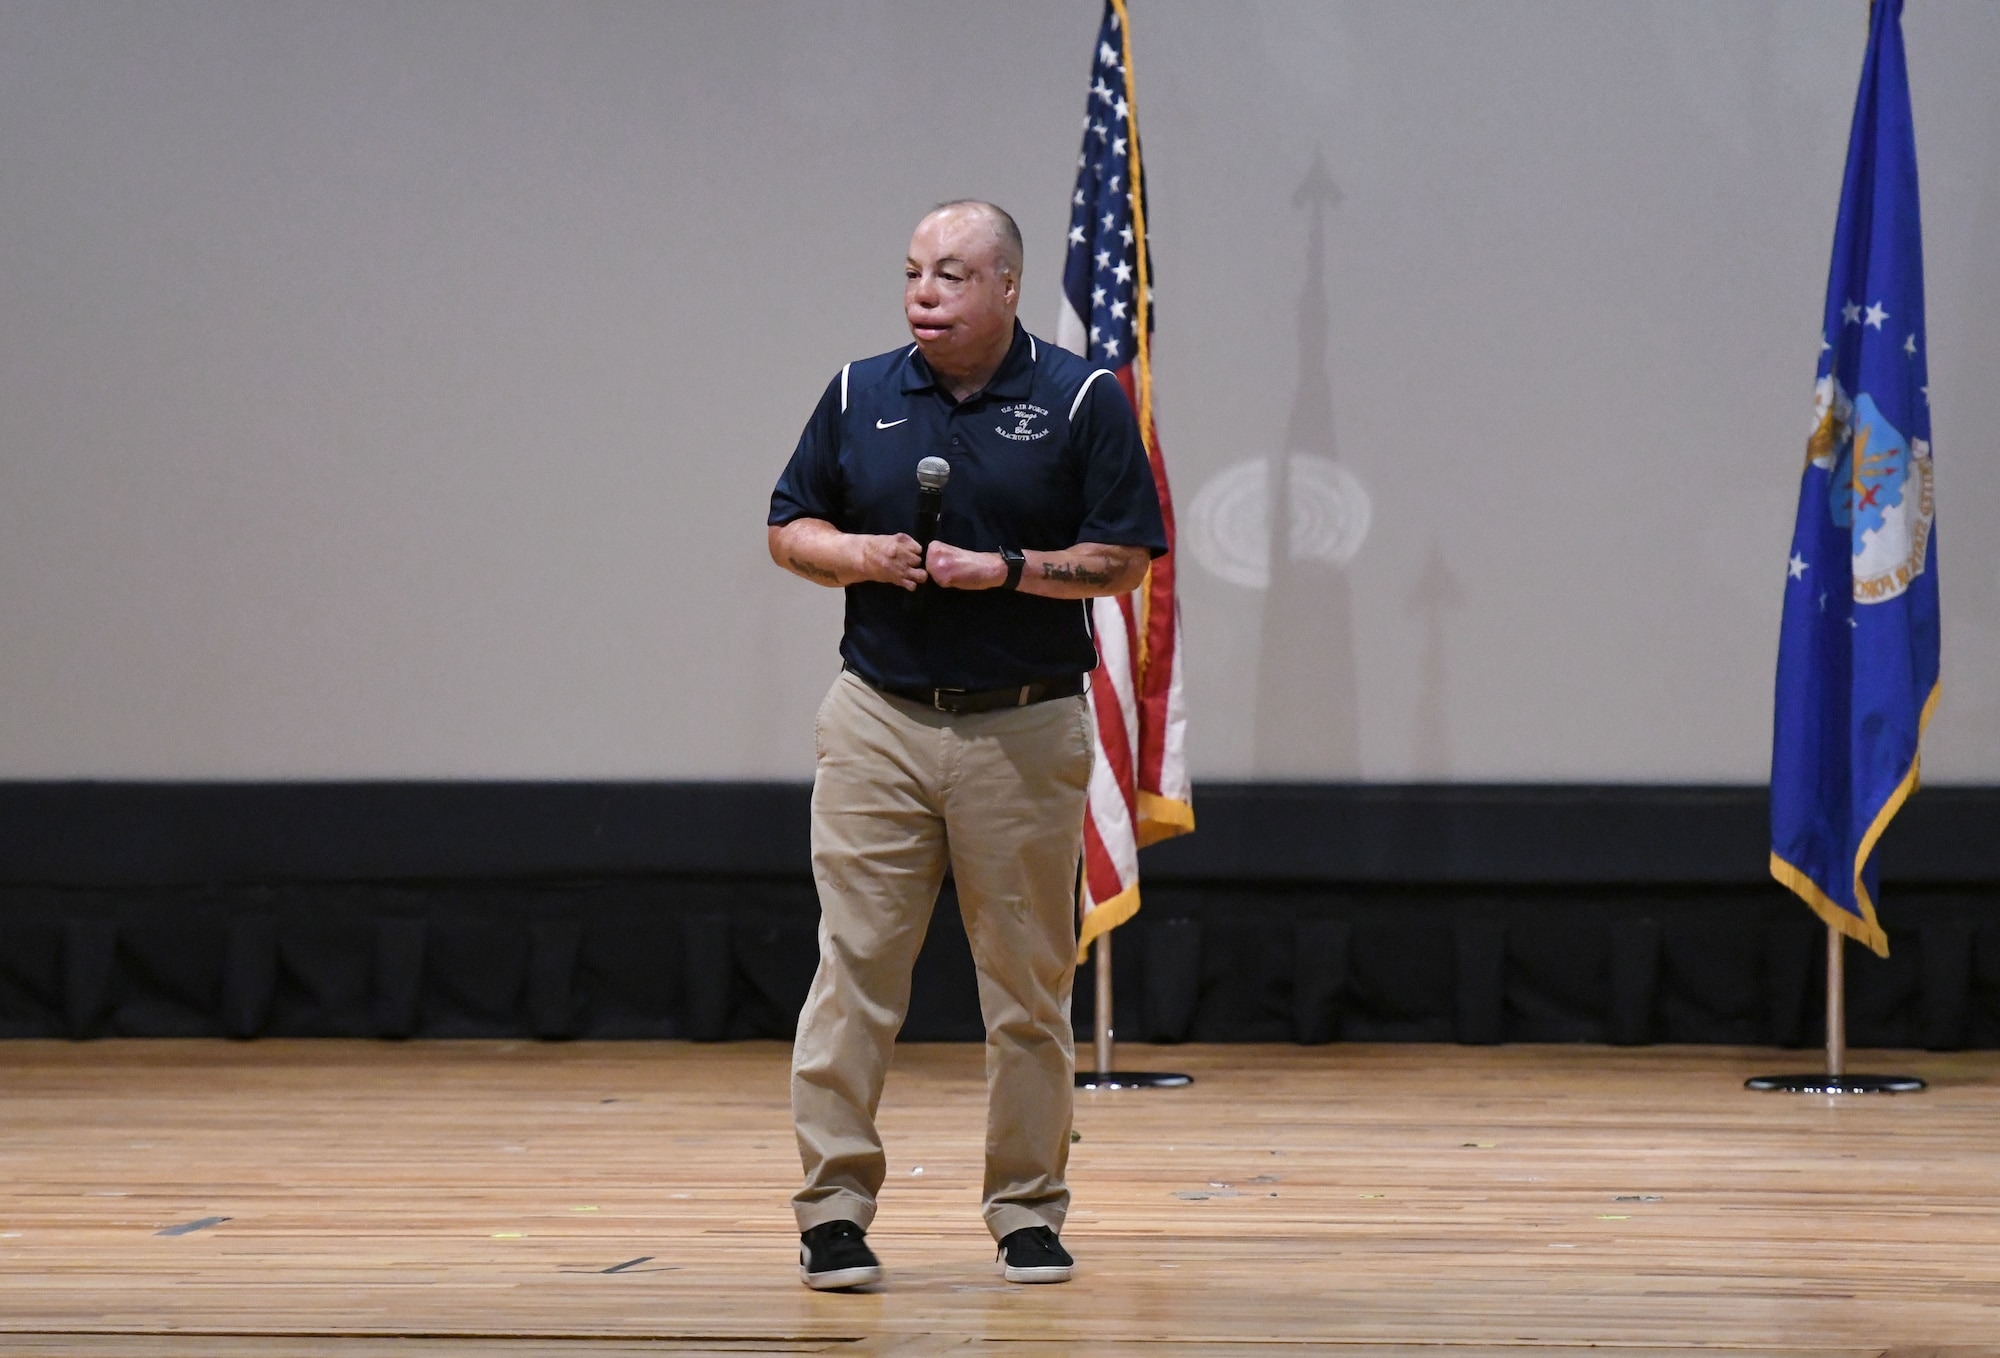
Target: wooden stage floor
[(517, 1199)]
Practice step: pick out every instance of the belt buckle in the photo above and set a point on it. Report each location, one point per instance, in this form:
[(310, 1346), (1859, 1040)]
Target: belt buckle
[(937, 698)]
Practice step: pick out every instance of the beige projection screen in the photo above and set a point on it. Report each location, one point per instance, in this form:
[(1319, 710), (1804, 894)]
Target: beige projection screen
[(394, 389)]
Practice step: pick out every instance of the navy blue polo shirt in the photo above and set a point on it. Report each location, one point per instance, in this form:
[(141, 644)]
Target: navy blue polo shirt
[(1047, 456)]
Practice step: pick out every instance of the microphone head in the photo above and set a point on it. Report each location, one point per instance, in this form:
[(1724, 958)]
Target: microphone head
[(933, 472)]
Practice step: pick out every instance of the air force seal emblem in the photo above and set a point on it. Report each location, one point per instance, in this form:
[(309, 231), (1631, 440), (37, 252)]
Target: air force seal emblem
[(1024, 417), (1880, 490)]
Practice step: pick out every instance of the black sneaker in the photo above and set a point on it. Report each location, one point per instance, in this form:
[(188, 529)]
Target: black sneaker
[(1034, 1255), (833, 1255)]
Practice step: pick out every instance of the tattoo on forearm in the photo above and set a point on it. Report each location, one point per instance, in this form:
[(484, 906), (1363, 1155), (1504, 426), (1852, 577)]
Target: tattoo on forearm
[(810, 571), (1077, 575)]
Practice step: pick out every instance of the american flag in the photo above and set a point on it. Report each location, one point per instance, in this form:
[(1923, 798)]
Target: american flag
[(1139, 790)]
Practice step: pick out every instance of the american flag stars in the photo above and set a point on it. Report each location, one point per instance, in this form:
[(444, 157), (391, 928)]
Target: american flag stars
[(1100, 275)]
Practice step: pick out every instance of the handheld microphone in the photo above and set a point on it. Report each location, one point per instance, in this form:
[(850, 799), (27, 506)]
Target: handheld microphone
[(932, 474)]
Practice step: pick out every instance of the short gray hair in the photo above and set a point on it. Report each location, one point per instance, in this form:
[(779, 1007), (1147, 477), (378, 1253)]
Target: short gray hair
[(1005, 229)]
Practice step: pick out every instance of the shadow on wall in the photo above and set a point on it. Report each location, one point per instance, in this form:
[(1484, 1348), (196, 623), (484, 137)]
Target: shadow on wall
[(1308, 704)]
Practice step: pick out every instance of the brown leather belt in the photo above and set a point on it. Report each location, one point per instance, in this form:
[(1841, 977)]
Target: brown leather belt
[(961, 702)]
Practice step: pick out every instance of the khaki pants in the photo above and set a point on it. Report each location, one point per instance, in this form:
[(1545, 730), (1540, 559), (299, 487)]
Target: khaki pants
[(899, 791)]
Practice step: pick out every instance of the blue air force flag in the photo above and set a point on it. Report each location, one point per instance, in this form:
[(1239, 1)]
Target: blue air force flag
[(1858, 652)]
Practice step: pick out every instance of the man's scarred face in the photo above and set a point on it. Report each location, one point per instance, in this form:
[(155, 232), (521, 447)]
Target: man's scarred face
[(958, 294)]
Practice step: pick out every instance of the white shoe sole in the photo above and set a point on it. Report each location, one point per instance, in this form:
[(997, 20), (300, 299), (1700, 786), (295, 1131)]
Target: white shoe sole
[(1053, 1273), (839, 1278)]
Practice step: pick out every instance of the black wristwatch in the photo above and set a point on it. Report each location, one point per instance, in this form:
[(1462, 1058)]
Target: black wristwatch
[(1016, 560)]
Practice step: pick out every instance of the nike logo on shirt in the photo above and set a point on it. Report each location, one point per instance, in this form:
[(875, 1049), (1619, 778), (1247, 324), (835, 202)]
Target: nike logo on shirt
[(891, 424)]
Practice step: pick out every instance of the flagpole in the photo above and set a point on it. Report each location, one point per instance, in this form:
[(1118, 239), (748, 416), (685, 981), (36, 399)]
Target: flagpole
[(1107, 1076), (1117, 24), (1836, 1005), (1883, 693), (1102, 953), (1836, 1080)]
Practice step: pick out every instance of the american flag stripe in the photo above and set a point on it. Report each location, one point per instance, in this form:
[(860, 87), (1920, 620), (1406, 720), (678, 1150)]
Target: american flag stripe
[(1139, 790), (1114, 706)]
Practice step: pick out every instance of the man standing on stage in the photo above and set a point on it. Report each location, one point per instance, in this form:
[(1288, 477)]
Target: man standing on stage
[(956, 733)]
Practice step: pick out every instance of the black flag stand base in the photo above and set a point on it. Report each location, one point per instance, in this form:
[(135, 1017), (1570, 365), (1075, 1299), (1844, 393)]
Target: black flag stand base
[(1104, 1077), (1837, 1084), (1836, 1080)]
